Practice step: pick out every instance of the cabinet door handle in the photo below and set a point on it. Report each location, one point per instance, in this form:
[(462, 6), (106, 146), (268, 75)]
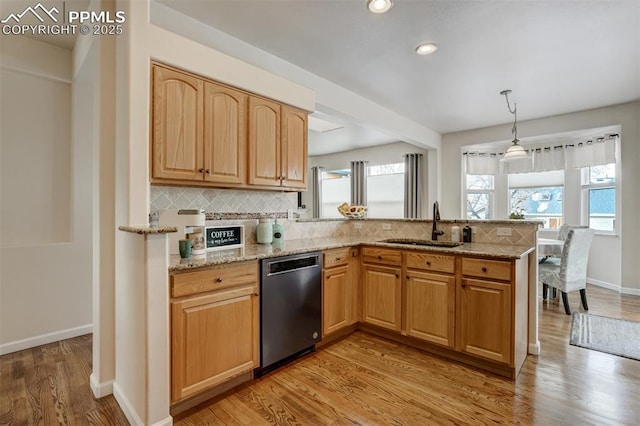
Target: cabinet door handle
[(219, 279), (200, 170), (328, 277), (397, 275), (484, 269), (208, 171), (408, 277), (463, 283)]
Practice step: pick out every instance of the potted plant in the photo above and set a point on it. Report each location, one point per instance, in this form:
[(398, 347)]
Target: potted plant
[(518, 213)]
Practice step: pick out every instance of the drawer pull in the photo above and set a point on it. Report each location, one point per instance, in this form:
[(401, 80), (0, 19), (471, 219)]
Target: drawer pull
[(463, 283), (328, 277), (484, 269), (337, 259), (428, 263), (219, 279), (379, 257)]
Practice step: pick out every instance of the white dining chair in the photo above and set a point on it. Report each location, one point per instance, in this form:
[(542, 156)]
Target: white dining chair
[(570, 274), (565, 228)]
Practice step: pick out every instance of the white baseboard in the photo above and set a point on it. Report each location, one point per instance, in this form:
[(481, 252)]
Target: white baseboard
[(604, 284), (164, 422), (127, 408), (631, 291), (129, 411), (100, 389), (32, 342), (614, 287), (534, 348)]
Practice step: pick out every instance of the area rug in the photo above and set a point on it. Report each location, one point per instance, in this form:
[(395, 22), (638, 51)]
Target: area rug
[(610, 335)]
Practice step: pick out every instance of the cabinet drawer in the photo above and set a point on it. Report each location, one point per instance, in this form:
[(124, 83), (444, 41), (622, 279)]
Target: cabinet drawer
[(220, 277), (379, 255), (496, 269), (431, 262), (336, 257)]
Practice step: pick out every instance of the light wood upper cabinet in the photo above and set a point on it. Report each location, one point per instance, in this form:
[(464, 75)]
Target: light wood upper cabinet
[(208, 134), (264, 142), (177, 148), (294, 147), (225, 134), (431, 307), (277, 145)]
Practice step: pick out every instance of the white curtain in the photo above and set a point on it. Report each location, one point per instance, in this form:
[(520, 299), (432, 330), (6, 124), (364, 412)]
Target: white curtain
[(593, 152), (413, 176), (316, 191), (359, 183)]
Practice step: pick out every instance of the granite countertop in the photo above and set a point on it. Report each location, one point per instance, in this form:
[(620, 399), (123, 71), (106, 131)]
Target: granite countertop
[(263, 251)]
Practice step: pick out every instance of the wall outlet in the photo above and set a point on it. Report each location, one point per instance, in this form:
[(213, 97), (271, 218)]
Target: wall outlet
[(357, 225), (504, 232), (386, 226)]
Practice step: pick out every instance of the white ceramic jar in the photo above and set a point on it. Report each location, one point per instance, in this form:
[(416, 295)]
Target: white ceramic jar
[(264, 231)]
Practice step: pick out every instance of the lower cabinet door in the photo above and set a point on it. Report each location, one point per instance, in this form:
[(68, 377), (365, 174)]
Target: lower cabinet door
[(336, 299), (214, 338), (431, 307), (382, 296), (485, 317)]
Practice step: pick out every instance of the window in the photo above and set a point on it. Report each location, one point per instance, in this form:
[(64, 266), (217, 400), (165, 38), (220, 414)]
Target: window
[(479, 196), (599, 196), (542, 203), (336, 189), (385, 191)]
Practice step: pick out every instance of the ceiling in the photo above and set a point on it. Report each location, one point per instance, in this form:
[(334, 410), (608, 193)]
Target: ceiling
[(556, 56)]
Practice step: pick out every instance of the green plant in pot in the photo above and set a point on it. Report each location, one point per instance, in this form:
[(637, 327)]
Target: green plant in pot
[(518, 213)]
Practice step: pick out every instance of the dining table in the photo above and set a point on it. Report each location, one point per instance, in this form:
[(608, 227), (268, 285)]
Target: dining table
[(549, 247)]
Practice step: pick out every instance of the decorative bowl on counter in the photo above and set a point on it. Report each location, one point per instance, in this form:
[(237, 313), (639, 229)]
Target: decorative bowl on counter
[(352, 212)]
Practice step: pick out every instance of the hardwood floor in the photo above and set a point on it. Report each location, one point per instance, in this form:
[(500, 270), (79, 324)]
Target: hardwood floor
[(49, 385), (363, 379)]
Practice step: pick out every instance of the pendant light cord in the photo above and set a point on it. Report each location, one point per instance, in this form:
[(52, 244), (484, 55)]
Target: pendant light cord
[(514, 129)]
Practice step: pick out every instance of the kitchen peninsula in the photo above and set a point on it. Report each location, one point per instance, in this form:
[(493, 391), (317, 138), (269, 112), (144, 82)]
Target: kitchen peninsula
[(487, 288)]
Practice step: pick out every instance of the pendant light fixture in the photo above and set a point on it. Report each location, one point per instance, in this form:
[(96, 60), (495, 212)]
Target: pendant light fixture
[(515, 151)]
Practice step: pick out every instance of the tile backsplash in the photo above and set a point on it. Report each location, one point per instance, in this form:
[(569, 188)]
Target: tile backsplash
[(222, 200)]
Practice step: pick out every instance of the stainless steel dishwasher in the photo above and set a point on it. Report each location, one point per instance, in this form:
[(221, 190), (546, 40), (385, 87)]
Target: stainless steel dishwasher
[(291, 307)]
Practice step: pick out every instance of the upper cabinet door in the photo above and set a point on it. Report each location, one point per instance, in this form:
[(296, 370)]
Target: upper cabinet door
[(294, 147), (264, 142), (225, 134), (177, 125)]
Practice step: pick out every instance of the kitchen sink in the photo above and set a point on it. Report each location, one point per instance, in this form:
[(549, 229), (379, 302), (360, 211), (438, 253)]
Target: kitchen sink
[(412, 242)]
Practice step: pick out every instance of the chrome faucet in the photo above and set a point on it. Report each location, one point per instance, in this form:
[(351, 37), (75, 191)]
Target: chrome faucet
[(436, 217)]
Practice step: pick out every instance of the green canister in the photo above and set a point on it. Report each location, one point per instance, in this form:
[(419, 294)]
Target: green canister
[(278, 233)]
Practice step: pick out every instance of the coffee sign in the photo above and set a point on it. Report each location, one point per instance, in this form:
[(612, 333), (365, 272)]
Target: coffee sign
[(224, 237)]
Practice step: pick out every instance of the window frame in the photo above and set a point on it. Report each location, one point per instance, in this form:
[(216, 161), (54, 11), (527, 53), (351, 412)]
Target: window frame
[(490, 193), (585, 186)]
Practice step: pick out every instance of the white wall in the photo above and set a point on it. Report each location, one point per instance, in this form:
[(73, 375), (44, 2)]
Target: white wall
[(606, 251), (46, 253), (381, 154)]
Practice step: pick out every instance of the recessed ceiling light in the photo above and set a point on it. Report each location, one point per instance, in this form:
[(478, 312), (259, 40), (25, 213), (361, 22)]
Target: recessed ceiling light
[(426, 48), (379, 6)]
